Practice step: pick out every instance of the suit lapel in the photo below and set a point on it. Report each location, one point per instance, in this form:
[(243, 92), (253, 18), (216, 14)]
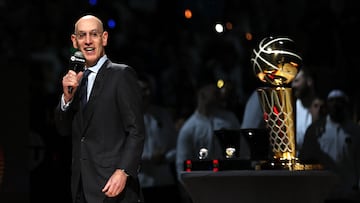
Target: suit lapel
[(95, 92)]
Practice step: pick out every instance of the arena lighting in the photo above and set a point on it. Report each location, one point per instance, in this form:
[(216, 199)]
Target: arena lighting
[(220, 83), (188, 13), (219, 28), (229, 25), (93, 2), (248, 36), (111, 23)]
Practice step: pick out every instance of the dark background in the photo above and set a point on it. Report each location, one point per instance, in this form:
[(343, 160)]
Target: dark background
[(154, 37)]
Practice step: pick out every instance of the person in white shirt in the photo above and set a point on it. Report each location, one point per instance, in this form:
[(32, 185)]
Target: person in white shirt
[(305, 92), (333, 141), (157, 173), (253, 113), (198, 130)]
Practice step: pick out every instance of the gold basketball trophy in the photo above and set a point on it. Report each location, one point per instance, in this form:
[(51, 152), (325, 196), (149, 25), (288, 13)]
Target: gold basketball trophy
[(276, 63)]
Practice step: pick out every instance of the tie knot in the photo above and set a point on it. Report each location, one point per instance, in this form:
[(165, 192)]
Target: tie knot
[(86, 73)]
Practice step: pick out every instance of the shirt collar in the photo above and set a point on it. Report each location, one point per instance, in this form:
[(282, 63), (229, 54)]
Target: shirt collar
[(98, 65)]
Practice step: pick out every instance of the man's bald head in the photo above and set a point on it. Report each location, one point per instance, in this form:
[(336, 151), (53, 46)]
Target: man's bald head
[(89, 17)]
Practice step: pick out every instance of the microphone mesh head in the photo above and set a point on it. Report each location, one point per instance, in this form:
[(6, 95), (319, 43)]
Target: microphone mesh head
[(78, 54)]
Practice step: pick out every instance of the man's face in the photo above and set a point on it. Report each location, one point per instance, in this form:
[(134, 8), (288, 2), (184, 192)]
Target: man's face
[(317, 108), (300, 85), (209, 95), (90, 39), (337, 109), (146, 93)]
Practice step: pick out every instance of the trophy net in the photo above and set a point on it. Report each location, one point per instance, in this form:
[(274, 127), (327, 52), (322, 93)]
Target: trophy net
[(277, 106)]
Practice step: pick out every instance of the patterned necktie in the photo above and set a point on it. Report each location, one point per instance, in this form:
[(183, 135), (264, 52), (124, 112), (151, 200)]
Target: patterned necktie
[(83, 87)]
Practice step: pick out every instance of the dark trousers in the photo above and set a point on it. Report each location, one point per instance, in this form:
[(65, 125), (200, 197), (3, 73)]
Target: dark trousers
[(80, 196)]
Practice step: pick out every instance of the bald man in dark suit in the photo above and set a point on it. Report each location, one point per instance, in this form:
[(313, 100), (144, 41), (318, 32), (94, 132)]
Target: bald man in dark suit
[(107, 131)]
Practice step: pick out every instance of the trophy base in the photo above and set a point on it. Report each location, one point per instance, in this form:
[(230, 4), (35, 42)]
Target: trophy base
[(217, 165), (290, 165)]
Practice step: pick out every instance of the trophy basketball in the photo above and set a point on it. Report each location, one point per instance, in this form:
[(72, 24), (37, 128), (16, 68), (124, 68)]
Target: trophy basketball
[(276, 62)]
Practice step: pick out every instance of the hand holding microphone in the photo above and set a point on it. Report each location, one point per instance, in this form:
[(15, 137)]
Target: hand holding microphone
[(70, 80), (77, 64)]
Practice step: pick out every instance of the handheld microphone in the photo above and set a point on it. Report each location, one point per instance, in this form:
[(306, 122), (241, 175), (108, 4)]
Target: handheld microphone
[(77, 64)]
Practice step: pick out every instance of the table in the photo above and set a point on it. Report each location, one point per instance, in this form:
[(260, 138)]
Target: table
[(258, 186)]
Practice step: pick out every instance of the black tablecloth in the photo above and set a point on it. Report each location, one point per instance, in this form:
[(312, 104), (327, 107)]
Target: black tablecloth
[(251, 186)]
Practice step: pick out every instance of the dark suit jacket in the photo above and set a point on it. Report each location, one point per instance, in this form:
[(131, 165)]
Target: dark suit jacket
[(107, 135)]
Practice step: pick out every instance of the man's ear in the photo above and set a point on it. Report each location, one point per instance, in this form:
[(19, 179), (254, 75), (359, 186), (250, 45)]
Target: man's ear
[(105, 36), (74, 42)]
